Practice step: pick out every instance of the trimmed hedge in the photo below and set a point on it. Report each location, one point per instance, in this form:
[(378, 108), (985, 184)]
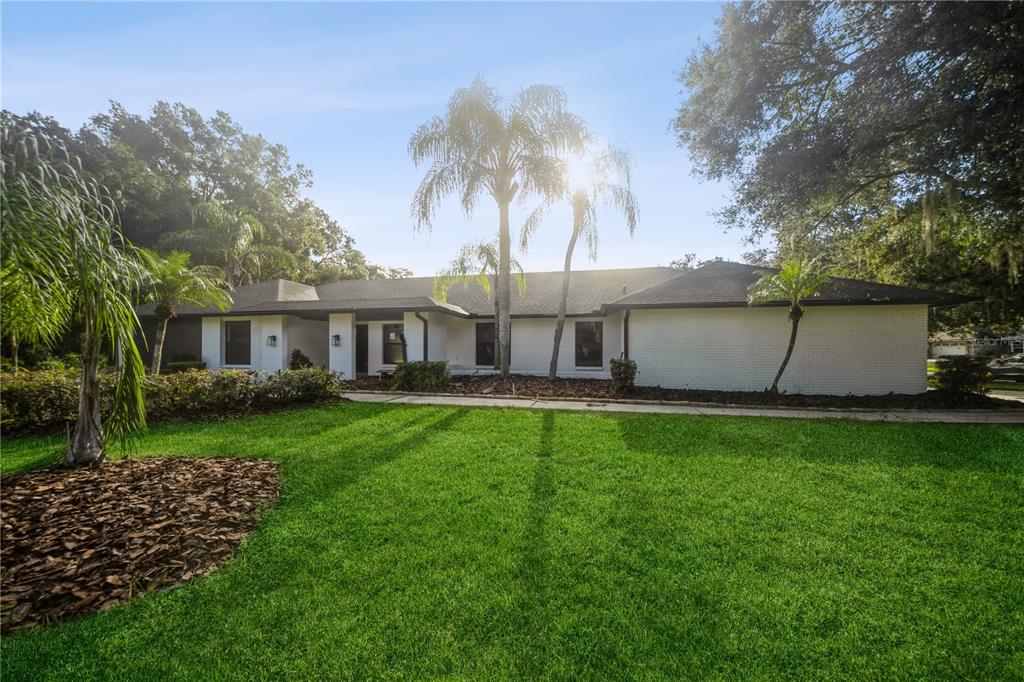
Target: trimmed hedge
[(421, 376), (183, 365), (43, 402)]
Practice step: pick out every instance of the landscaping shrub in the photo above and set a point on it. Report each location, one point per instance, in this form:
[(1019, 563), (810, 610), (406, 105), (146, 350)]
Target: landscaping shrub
[(421, 376), (623, 375), (42, 402), (298, 386), (183, 365), (962, 375), (299, 360)]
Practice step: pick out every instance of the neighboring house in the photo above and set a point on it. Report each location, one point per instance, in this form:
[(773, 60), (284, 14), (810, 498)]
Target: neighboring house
[(942, 344), (965, 343), (685, 330)]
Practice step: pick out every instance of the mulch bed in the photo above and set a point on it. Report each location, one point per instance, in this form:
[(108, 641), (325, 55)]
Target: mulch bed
[(600, 389), (85, 539)]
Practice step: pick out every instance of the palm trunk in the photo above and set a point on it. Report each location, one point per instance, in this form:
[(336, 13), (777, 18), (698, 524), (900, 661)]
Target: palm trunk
[(560, 322), (504, 292), (86, 445), (158, 343), (795, 316), (496, 316)]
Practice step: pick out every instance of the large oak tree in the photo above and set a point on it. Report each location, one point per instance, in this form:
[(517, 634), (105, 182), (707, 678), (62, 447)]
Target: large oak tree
[(887, 133)]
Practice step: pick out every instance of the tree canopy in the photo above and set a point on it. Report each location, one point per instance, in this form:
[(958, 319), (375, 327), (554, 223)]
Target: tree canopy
[(230, 197), (886, 133)]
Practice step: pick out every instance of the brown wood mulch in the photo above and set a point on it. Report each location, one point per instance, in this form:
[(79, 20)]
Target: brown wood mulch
[(85, 539), (600, 389)]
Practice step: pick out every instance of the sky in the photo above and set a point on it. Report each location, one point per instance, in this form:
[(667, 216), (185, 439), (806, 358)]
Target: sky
[(344, 85)]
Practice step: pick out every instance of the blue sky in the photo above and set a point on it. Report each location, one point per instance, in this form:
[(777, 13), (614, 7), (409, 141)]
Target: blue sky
[(343, 85)]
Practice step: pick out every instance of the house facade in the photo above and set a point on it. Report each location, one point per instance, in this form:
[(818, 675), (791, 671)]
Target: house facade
[(685, 330)]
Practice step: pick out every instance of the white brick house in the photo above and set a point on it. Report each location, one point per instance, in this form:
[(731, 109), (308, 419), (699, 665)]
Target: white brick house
[(684, 330)]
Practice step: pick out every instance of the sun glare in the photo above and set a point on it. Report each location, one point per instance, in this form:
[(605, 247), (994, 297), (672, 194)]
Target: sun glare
[(579, 171)]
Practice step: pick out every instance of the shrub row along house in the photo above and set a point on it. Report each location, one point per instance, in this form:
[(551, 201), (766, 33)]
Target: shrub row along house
[(684, 330)]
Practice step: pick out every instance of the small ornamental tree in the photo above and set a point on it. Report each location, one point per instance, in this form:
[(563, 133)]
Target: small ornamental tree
[(62, 258), (170, 282), (795, 282)]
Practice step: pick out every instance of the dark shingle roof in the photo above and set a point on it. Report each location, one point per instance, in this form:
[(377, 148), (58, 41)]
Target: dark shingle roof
[(722, 283), (588, 291)]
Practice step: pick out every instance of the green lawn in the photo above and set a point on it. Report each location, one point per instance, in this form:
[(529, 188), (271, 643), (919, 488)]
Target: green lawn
[(427, 542)]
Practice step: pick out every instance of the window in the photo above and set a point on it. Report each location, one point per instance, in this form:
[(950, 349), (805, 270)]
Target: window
[(393, 343), (589, 339), (486, 345), (237, 343)]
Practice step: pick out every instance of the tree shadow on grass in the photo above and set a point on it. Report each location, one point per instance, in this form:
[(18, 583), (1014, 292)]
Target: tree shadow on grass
[(532, 580)]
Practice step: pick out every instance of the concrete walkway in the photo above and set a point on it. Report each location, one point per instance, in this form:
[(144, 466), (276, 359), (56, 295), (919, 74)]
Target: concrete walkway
[(936, 416)]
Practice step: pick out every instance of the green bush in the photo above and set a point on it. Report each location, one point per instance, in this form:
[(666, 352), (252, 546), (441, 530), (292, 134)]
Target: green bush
[(421, 376), (43, 402), (962, 375), (299, 360), (623, 375), (183, 365)]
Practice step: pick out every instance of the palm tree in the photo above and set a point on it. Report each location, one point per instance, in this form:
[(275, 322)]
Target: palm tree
[(62, 257), (602, 178), (232, 240), (479, 262), (170, 281), (479, 147), (796, 281)]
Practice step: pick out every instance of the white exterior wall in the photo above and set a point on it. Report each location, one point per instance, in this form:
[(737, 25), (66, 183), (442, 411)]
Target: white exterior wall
[(532, 341), (437, 336), (342, 358), (839, 350), (375, 345), (263, 358), (309, 336)]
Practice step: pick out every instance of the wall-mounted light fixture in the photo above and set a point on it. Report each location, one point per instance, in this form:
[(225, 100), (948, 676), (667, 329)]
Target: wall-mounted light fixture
[(335, 339), (272, 340)]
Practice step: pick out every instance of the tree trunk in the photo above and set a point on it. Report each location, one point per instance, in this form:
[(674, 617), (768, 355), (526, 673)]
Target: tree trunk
[(795, 316), (504, 291), (497, 314), (560, 322), (86, 445), (158, 343), (14, 351)]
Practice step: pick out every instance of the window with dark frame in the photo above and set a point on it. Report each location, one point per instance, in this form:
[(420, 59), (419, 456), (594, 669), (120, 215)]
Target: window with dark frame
[(589, 344), (392, 343), (237, 342), (486, 344)]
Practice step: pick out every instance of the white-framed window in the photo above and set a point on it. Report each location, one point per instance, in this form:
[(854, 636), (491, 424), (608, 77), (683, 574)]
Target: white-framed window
[(238, 343), (589, 344), (392, 343)]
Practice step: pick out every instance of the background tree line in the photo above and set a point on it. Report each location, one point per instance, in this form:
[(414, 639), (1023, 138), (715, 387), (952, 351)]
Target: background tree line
[(230, 198), (885, 135)]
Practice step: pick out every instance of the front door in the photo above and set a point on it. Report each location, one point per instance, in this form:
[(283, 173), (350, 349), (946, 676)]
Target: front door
[(362, 352)]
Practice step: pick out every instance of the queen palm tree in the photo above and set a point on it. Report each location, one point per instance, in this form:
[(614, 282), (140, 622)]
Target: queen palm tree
[(479, 147), (796, 281), (596, 178), (230, 239), (62, 258), (170, 281), (477, 262)]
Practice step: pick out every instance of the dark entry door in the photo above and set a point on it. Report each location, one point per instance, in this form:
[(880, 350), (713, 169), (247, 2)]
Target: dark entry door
[(362, 352)]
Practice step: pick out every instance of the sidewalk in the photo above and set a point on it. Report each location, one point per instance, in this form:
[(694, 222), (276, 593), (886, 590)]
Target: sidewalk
[(933, 416)]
